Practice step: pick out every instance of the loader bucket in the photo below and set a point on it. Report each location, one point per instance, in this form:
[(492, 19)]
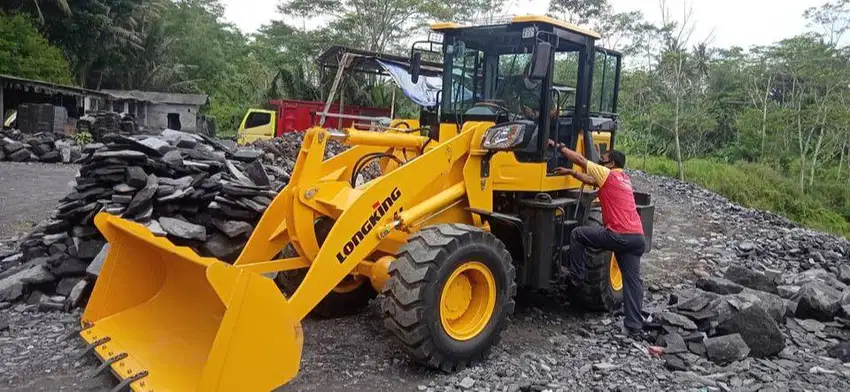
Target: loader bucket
[(163, 318)]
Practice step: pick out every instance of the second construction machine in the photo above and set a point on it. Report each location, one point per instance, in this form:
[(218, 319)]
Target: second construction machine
[(465, 210)]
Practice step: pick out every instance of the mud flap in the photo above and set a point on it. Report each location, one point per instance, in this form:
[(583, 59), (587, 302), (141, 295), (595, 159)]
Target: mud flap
[(173, 320)]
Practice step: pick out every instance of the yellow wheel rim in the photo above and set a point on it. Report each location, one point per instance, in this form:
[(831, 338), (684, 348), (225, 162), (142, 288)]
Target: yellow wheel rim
[(614, 274), (468, 300)]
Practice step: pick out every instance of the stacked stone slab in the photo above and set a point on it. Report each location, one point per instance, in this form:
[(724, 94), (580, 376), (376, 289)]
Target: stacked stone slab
[(48, 147), (102, 123), (36, 118), (197, 191)]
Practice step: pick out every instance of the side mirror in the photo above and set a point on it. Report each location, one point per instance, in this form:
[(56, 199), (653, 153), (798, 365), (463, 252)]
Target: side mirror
[(415, 66), (540, 61)]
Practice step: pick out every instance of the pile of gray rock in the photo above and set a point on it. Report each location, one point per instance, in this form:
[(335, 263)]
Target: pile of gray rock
[(283, 150), (48, 147), (197, 191), (766, 288)]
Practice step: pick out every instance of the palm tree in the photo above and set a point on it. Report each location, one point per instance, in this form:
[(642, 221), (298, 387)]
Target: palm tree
[(37, 5)]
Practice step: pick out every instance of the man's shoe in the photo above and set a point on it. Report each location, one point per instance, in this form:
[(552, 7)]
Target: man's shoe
[(637, 334), (570, 278)]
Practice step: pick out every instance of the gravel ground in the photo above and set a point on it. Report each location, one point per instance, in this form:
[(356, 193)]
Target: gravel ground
[(546, 346), (28, 194)]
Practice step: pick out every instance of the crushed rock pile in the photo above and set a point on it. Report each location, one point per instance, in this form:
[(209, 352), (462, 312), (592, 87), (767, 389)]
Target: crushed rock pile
[(766, 287), (283, 150), (766, 290), (764, 309)]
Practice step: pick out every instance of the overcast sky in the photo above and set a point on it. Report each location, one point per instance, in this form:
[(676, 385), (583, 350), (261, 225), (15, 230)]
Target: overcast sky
[(730, 22)]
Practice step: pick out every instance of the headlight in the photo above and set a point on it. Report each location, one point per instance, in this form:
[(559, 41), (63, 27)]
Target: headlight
[(504, 136)]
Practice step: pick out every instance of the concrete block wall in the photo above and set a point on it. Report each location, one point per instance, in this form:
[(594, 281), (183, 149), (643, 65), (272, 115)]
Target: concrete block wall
[(155, 116)]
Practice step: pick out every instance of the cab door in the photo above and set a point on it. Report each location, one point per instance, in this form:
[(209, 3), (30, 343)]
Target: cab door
[(257, 124)]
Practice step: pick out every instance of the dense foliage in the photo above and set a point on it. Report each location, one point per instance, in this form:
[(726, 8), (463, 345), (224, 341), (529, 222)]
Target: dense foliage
[(780, 110), (825, 207), (766, 126), (25, 53)]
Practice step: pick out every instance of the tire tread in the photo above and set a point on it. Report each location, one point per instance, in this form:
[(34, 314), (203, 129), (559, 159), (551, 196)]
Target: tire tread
[(416, 267)]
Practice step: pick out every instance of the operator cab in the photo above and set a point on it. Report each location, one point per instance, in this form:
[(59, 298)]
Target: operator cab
[(529, 70)]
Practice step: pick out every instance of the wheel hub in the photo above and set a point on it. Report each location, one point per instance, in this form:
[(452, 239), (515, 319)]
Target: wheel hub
[(468, 300), (458, 298)]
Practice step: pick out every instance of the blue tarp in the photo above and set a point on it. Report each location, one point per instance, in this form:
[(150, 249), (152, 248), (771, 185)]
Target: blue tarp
[(423, 93)]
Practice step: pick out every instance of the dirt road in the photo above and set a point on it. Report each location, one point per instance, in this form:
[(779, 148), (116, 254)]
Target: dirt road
[(28, 194)]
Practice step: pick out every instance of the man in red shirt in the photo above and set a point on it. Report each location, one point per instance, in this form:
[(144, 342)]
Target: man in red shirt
[(622, 232)]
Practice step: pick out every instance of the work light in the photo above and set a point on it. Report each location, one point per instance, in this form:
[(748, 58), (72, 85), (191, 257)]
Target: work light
[(504, 136)]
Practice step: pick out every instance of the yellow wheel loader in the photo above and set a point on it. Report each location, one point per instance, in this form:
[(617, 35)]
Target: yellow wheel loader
[(466, 209)]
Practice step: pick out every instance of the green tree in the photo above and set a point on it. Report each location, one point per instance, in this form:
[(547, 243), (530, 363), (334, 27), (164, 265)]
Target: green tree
[(579, 11), (378, 25), (25, 53), (832, 19), (35, 7), (97, 33)]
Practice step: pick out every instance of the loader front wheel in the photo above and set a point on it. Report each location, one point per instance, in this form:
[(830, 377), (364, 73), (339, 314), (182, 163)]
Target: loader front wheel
[(349, 297), (449, 295)]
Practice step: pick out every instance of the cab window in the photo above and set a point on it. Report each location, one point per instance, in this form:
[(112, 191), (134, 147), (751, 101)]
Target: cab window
[(604, 79), (257, 119), (564, 80), (513, 89), (467, 80)]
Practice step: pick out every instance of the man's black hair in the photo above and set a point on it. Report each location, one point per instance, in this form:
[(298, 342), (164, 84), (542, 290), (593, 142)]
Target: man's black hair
[(618, 158)]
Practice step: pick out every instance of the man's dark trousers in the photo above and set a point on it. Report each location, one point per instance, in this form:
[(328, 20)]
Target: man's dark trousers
[(628, 248)]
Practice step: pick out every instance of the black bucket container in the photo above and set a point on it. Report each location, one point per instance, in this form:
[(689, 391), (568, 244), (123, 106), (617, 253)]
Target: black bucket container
[(646, 210)]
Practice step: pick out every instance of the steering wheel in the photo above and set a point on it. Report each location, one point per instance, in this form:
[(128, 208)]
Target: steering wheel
[(494, 105)]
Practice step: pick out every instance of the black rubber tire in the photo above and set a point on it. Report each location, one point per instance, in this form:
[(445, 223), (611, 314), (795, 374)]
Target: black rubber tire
[(596, 292), (411, 305), (334, 304)]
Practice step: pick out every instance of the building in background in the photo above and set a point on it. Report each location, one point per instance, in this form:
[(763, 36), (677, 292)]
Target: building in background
[(153, 111), (157, 111), (15, 91)]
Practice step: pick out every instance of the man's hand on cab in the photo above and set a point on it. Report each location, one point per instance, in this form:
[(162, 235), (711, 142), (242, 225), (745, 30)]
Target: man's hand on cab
[(563, 171)]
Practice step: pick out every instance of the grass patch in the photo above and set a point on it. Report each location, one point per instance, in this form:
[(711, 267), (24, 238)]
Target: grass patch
[(824, 207)]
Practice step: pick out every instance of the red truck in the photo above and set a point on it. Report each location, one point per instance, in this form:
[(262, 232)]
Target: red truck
[(290, 115)]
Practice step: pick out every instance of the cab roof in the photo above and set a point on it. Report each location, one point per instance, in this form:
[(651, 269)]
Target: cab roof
[(521, 19)]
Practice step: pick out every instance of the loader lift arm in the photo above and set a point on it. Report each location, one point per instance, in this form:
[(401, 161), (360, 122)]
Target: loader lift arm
[(239, 319), (363, 223)]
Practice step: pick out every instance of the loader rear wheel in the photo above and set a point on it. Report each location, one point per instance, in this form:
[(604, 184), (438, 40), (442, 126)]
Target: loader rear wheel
[(602, 289), (449, 295), (349, 297)]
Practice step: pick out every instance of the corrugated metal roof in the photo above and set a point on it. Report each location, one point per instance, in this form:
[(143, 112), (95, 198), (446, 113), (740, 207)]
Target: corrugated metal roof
[(157, 97), (364, 61), (11, 81)]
